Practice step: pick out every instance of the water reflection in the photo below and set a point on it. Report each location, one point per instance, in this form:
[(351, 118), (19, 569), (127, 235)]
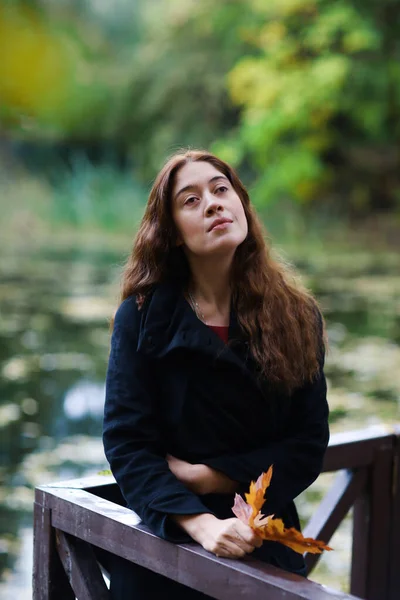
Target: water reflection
[(83, 400), (54, 339), (54, 317)]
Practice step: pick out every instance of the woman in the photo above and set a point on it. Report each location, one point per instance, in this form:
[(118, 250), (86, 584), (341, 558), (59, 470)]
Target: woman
[(215, 373)]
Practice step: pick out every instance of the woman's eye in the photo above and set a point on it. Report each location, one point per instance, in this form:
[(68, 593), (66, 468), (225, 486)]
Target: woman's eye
[(222, 187), (189, 200)]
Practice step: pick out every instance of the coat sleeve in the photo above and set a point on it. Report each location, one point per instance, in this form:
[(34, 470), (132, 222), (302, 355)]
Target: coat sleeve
[(297, 458), (132, 436)]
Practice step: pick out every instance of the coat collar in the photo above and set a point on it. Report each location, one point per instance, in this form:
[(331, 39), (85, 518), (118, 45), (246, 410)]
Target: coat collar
[(168, 323)]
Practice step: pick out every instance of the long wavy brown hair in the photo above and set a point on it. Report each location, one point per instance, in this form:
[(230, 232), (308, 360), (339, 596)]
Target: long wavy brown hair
[(279, 317)]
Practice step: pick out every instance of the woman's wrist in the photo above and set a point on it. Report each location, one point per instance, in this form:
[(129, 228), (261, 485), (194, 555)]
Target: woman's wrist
[(195, 525)]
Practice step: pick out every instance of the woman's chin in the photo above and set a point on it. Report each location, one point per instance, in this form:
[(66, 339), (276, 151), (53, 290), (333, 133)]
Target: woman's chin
[(224, 248)]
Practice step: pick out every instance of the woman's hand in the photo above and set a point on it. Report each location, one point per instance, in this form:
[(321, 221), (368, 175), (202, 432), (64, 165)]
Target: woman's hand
[(230, 538), (201, 479), (226, 538)]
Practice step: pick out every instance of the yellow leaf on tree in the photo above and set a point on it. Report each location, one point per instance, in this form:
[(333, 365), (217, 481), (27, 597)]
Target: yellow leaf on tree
[(266, 526), (35, 65)]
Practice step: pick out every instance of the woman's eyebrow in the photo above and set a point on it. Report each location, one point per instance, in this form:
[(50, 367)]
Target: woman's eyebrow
[(192, 186)]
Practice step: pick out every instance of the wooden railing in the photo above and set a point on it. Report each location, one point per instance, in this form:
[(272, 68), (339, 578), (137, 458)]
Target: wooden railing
[(78, 525)]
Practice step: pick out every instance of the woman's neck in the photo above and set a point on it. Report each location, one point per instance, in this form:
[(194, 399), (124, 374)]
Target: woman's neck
[(210, 287)]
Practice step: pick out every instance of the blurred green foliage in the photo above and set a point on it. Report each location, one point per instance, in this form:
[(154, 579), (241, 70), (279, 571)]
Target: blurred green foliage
[(302, 96), (101, 196), (321, 101), (52, 82)]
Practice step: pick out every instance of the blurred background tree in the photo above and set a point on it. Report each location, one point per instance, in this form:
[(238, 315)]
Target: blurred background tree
[(302, 96), (52, 73), (321, 102)]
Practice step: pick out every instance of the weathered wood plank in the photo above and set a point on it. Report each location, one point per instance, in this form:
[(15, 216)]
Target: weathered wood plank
[(355, 449), (82, 482), (394, 553), (360, 545), (380, 515), (48, 578), (81, 568), (333, 509)]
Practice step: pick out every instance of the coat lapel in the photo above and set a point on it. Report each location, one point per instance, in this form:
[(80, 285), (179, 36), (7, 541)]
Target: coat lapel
[(169, 323)]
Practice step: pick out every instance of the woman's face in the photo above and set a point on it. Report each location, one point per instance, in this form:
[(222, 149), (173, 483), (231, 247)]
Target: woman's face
[(202, 195)]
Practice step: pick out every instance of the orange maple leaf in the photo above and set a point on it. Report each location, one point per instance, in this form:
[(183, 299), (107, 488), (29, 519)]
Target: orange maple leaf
[(255, 498), (266, 526)]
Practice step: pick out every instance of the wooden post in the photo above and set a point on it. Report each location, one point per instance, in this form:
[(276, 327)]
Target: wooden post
[(371, 528), (380, 515), (361, 540), (394, 553), (49, 581)]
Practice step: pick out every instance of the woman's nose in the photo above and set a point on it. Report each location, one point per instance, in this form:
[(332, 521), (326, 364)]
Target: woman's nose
[(213, 205)]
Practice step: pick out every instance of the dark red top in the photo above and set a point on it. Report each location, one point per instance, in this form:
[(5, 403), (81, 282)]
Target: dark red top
[(221, 330)]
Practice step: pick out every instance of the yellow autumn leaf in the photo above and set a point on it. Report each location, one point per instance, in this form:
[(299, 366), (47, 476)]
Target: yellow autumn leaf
[(255, 497), (266, 526), (275, 531)]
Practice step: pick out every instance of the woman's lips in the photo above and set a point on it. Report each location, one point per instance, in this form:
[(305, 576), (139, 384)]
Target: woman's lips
[(221, 225)]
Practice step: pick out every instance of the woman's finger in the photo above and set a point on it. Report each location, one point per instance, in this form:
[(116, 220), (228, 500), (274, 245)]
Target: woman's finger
[(243, 544), (229, 550), (235, 545), (248, 534)]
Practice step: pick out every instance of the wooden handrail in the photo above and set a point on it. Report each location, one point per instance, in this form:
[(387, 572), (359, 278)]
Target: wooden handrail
[(79, 521)]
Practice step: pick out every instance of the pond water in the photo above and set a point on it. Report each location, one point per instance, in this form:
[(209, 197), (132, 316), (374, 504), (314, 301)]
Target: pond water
[(55, 306)]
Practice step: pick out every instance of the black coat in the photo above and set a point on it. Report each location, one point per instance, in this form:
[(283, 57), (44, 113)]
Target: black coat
[(174, 387)]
